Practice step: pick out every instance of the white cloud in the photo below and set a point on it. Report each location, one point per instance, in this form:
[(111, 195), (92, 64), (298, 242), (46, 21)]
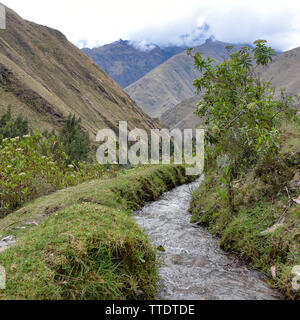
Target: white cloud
[(95, 22)]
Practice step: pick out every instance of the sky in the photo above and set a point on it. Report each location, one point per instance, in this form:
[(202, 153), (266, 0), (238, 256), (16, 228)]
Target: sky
[(92, 23)]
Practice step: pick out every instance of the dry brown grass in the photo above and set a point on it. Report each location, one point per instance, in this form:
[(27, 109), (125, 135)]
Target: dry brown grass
[(45, 77)]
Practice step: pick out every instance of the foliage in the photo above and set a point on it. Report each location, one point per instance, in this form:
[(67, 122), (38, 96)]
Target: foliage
[(29, 168), (75, 140), (242, 114), (10, 127), (261, 201), (86, 244)]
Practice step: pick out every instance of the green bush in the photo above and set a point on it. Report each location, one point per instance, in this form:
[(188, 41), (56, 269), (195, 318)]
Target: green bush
[(75, 140), (29, 168), (10, 127), (242, 114)]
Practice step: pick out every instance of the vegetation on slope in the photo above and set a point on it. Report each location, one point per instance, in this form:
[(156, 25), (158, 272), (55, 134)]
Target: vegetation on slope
[(11, 127), (265, 228), (33, 164), (86, 245), (283, 71), (250, 196)]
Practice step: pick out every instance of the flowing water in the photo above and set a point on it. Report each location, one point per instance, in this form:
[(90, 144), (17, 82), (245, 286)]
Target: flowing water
[(195, 268)]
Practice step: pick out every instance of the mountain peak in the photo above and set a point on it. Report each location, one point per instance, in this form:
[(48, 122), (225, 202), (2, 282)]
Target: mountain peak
[(210, 39), (127, 61)]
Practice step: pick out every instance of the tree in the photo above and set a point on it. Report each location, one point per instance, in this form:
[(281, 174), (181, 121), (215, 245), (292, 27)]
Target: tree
[(13, 127), (75, 140), (242, 115)]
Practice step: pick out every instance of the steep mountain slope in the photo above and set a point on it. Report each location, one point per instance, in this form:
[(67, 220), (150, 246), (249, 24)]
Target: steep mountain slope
[(172, 82), (182, 115), (45, 77), (284, 71), (126, 64)]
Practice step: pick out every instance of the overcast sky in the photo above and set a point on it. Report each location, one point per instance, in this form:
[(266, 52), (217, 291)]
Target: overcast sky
[(97, 22)]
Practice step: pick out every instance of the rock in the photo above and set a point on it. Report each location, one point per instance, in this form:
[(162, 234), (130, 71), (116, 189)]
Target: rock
[(296, 279), (273, 272), (8, 241), (32, 223), (272, 229), (297, 200), (176, 259), (199, 262), (140, 293), (295, 182)]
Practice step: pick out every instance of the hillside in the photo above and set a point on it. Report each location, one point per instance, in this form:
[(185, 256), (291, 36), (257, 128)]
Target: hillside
[(182, 115), (172, 82), (284, 71), (45, 77), (126, 64)]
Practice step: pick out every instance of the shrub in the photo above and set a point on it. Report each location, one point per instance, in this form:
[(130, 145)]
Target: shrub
[(29, 168), (10, 127), (242, 113), (75, 140)]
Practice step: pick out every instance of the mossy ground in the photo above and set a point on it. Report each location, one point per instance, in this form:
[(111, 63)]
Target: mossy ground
[(86, 244), (262, 199)]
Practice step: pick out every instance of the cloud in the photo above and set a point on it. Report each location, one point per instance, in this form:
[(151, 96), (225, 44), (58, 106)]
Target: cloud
[(241, 22), (94, 22), (178, 34), (143, 45)]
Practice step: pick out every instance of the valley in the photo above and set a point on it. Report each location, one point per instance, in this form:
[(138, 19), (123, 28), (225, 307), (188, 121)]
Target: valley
[(75, 228)]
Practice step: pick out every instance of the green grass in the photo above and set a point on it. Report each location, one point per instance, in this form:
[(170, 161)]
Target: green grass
[(87, 245), (261, 201)]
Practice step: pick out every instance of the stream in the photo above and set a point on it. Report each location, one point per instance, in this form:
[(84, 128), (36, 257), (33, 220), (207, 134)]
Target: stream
[(194, 267)]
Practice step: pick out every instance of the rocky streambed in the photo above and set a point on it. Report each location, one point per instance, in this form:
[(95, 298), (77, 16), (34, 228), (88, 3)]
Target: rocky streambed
[(194, 267)]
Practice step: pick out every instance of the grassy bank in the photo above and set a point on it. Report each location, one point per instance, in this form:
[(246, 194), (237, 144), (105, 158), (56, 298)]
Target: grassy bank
[(263, 200), (82, 242)]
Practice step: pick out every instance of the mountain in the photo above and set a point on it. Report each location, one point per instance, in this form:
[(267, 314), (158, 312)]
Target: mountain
[(284, 71), (126, 62), (172, 82), (45, 77), (182, 115)]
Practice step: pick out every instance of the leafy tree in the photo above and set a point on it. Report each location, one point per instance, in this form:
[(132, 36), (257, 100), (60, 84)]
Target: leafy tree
[(242, 114), (13, 127), (75, 140)]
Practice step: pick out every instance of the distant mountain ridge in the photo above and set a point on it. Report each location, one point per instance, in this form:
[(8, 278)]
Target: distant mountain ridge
[(126, 62), (172, 82), (45, 77)]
